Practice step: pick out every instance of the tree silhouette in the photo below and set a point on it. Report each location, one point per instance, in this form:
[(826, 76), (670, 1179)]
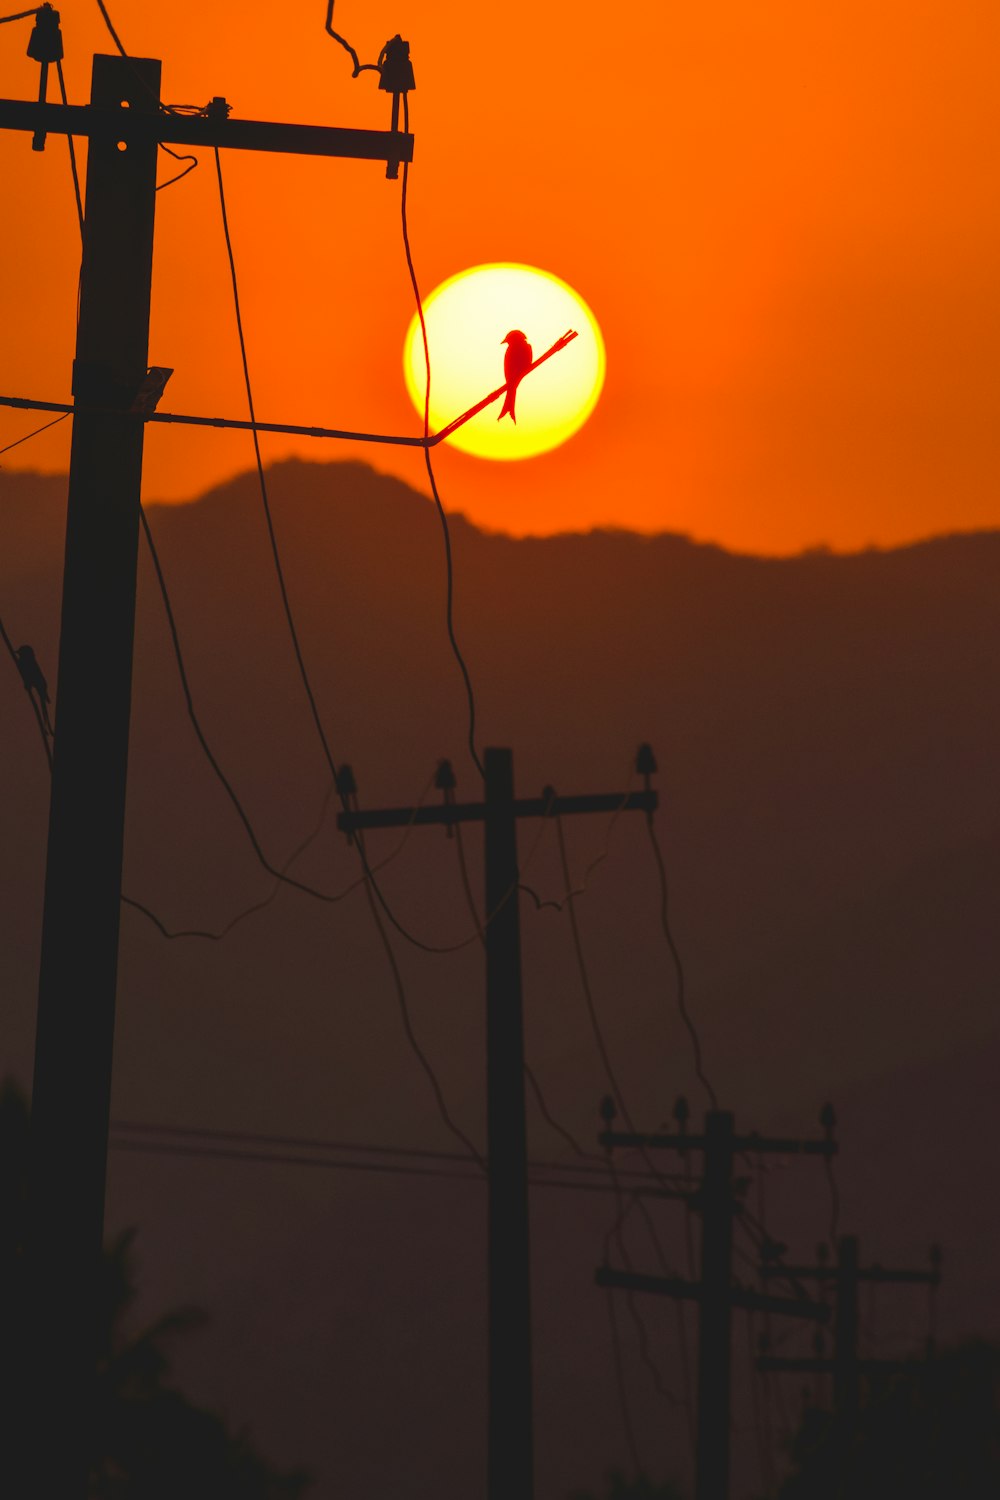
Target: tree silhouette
[(931, 1432), (618, 1487), (149, 1441)]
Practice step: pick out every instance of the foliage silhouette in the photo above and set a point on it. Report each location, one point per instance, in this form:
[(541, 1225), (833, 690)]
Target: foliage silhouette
[(149, 1441), (618, 1487), (929, 1432)]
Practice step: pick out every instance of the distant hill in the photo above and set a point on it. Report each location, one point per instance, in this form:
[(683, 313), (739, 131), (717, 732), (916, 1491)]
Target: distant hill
[(828, 734)]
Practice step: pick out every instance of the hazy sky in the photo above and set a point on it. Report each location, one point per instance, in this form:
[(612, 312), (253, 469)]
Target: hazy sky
[(785, 219)]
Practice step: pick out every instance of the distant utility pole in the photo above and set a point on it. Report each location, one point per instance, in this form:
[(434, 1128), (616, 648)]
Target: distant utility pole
[(846, 1366), (714, 1292), (510, 1441), (76, 1003)]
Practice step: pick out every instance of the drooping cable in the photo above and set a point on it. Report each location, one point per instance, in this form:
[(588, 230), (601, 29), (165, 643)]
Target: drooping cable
[(585, 985), (22, 15), (529, 1073), (442, 516), (359, 67), (616, 1350), (678, 964), (550, 903), (72, 150), (415, 1047), (638, 1322), (262, 480)]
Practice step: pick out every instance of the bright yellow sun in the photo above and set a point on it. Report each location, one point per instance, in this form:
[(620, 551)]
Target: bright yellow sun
[(467, 318)]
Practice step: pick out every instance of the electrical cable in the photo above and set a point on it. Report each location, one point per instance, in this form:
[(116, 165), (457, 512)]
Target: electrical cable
[(286, 602), (642, 1332), (177, 156), (258, 1139), (761, 1424), (29, 435), (359, 67), (415, 1046), (72, 150), (585, 984), (36, 709), (529, 1074), (678, 965), (619, 1367), (543, 904), (446, 533)]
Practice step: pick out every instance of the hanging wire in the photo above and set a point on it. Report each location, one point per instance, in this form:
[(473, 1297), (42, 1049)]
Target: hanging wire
[(585, 984), (543, 904), (445, 531), (415, 1046), (22, 15), (72, 150), (35, 707), (529, 1074), (29, 435), (678, 965), (359, 67), (619, 1367)]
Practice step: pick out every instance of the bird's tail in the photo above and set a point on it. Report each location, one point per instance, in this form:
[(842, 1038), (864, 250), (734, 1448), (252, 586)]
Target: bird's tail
[(508, 404)]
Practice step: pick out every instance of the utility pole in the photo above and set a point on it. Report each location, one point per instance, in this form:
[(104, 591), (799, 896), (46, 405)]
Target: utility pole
[(78, 973), (510, 1435), (846, 1366), (714, 1292)]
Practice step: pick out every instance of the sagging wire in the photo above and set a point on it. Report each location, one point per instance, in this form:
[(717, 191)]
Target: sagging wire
[(588, 993), (72, 150), (647, 765), (167, 109), (442, 516), (549, 903), (286, 602), (359, 67), (404, 1010), (529, 1073)]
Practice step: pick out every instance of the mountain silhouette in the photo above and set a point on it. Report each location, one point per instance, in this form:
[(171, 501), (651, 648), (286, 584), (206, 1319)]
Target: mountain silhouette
[(827, 730)]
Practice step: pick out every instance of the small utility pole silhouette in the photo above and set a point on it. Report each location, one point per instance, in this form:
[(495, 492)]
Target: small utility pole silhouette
[(114, 396), (846, 1366), (510, 1442), (714, 1291)]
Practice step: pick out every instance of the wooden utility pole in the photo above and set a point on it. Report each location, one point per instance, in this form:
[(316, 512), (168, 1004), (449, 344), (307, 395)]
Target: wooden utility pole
[(510, 1437), (714, 1292), (846, 1366), (79, 959)]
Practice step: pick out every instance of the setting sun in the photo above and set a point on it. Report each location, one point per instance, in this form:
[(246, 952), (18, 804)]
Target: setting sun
[(468, 318)]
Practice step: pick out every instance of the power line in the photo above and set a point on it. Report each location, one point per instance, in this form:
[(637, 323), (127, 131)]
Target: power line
[(529, 1074), (359, 67), (29, 435), (260, 1139), (72, 151), (678, 965), (445, 531)]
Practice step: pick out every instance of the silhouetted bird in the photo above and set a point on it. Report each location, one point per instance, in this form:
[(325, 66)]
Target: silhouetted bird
[(516, 363), (34, 682)]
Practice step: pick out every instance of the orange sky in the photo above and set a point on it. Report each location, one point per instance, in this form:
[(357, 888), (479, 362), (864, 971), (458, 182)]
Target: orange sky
[(785, 219)]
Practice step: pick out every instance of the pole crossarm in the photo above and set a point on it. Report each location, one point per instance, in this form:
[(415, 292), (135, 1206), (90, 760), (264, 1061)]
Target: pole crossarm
[(879, 1274), (475, 812), (133, 126), (691, 1291), (773, 1364), (675, 1141)]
